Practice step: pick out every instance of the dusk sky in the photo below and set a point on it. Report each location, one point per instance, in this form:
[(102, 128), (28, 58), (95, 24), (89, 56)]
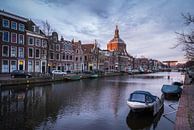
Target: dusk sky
[(147, 26)]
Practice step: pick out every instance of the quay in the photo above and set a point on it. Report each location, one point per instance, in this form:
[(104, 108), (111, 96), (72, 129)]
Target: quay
[(8, 81), (185, 113)]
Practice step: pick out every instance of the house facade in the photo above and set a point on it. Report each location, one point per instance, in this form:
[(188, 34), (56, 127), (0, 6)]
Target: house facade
[(36, 49), (12, 42), (78, 56)]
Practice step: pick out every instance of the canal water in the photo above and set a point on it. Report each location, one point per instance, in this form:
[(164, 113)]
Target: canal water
[(90, 104)]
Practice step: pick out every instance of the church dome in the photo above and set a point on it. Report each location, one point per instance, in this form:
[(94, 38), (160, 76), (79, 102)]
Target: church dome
[(116, 44)]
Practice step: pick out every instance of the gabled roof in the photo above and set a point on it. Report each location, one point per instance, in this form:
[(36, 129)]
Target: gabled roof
[(87, 48), (4, 13)]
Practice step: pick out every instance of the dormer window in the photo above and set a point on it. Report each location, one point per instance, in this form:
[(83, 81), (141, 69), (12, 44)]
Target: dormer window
[(36, 29), (55, 39)]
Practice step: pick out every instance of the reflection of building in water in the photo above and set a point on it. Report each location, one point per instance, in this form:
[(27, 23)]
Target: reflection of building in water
[(21, 108), (117, 93)]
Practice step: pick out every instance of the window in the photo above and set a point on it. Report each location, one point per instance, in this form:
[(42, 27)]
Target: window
[(37, 66), (13, 37), (5, 66), (76, 59), (13, 51), (21, 52), (70, 57), (63, 56), (21, 39), (5, 51), (85, 57), (55, 39), (57, 47), (30, 66), (30, 41), (38, 42), (5, 36), (43, 54), (37, 53), (5, 23), (67, 57), (13, 25), (58, 57), (51, 56), (44, 43), (21, 27), (13, 65), (52, 46), (80, 59), (30, 52)]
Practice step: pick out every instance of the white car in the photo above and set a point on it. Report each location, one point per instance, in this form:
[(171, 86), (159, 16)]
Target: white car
[(58, 72)]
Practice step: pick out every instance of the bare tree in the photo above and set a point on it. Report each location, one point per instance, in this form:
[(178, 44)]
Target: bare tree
[(46, 28), (186, 40)]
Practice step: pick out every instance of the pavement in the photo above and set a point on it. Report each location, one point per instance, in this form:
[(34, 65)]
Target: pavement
[(185, 113)]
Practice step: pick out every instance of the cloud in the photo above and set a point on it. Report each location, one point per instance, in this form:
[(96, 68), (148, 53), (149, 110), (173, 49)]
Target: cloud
[(147, 26)]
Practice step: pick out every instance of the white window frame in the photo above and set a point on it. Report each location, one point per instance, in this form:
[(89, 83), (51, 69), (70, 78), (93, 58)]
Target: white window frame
[(37, 68), (7, 50), (29, 52), (7, 25), (39, 53), (21, 56), (12, 54), (32, 67), (29, 37), (11, 67), (3, 36), (12, 22), (7, 68), (21, 27), (39, 43), (22, 43), (16, 38)]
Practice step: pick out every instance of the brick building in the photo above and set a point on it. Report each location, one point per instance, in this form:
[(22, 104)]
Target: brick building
[(36, 49), (12, 42)]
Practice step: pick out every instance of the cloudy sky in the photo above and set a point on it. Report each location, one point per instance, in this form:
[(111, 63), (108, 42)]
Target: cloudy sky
[(147, 26)]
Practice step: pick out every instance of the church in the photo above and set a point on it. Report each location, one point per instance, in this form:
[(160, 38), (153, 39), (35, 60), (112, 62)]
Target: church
[(123, 61)]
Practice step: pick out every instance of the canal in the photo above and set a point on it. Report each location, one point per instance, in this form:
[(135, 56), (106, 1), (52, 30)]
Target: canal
[(90, 104)]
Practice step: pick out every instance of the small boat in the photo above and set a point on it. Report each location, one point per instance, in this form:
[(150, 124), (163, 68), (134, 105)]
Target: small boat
[(94, 76), (177, 83), (73, 78), (144, 101), (171, 91)]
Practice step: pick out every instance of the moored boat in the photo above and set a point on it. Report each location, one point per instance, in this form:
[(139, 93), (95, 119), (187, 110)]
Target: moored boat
[(177, 83), (144, 101), (72, 78), (94, 76), (171, 91)]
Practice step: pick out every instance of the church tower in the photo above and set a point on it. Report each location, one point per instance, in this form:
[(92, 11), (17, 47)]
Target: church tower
[(117, 44)]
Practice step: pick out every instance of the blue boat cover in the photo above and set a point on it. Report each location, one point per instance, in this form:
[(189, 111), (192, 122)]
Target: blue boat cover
[(171, 89), (142, 96)]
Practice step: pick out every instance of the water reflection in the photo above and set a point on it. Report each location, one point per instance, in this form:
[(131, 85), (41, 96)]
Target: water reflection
[(143, 120), (86, 104)]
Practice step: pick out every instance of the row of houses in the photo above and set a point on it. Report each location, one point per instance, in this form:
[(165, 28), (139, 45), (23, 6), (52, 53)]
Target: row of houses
[(25, 47)]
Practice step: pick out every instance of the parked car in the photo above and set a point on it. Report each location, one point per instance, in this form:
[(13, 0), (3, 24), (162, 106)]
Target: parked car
[(58, 72), (21, 74)]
